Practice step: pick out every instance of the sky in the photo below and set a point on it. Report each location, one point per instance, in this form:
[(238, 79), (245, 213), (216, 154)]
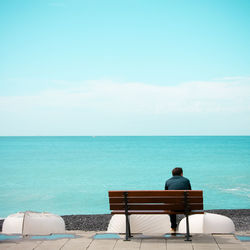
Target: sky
[(128, 67)]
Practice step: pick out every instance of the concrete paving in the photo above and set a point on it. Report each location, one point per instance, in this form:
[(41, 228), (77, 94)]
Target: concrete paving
[(86, 241)]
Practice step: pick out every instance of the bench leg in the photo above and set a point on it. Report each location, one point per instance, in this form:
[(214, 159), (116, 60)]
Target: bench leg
[(128, 232), (187, 230)]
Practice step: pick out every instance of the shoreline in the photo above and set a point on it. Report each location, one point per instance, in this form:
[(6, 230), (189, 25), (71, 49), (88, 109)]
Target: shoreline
[(99, 222)]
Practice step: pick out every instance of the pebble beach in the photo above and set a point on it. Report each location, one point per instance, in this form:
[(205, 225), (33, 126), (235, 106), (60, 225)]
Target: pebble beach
[(240, 217), (99, 222)]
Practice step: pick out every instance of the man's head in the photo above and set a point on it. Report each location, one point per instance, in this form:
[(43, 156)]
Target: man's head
[(177, 172)]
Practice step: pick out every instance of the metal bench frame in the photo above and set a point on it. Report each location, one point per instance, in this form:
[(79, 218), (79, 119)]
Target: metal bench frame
[(186, 208)]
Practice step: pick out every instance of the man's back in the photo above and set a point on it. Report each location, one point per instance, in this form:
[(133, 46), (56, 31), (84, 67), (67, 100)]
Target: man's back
[(178, 183)]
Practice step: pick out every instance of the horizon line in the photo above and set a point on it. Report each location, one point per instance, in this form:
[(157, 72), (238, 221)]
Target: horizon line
[(110, 135)]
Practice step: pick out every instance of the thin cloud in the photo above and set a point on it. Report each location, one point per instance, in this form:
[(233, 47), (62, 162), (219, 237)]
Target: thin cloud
[(107, 102), (140, 97)]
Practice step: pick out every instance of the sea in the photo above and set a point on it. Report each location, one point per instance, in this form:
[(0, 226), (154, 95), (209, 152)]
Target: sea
[(73, 174)]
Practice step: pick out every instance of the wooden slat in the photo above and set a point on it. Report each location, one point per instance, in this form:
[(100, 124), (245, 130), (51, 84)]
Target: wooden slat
[(164, 206), (155, 212), (152, 193), (155, 199)]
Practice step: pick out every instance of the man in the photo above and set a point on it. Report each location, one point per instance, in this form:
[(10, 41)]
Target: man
[(177, 182)]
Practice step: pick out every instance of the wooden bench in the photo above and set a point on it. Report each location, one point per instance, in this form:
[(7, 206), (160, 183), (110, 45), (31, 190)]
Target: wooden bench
[(185, 202)]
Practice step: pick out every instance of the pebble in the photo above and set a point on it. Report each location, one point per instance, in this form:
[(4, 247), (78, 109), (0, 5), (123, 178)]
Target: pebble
[(99, 222)]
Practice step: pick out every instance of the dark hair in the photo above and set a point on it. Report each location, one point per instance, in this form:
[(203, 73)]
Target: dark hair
[(177, 171)]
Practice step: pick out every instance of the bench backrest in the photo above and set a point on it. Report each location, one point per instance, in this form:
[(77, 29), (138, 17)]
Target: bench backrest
[(156, 201)]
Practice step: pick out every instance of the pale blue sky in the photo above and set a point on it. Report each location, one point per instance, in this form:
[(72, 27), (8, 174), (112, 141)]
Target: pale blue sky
[(71, 67)]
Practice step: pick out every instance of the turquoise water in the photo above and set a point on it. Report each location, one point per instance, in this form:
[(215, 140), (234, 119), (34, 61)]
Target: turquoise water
[(243, 238), (107, 236), (72, 175), (53, 237), (4, 237)]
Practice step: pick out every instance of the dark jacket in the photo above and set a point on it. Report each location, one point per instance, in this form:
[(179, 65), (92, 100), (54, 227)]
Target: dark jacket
[(178, 183)]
